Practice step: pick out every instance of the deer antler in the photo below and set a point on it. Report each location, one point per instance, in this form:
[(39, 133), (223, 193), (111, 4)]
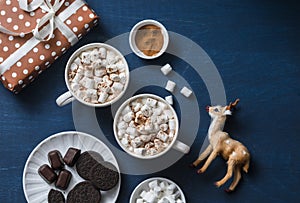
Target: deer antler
[(231, 105)]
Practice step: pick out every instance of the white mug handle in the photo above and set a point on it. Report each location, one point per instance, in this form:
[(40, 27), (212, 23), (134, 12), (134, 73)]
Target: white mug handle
[(64, 99), (180, 146)]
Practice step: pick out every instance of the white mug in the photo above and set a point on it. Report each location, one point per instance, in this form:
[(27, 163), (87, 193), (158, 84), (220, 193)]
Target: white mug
[(175, 144), (69, 96)]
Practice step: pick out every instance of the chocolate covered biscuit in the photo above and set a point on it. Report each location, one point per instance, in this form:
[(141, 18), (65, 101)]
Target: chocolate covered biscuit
[(47, 173), (71, 156), (55, 159), (63, 179)]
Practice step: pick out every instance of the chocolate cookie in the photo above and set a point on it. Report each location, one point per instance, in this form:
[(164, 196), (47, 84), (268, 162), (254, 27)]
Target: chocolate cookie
[(55, 196), (86, 161), (104, 176), (84, 192)]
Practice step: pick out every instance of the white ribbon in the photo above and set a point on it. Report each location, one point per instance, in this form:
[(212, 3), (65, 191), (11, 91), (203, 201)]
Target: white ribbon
[(49, 17), (47, 30)]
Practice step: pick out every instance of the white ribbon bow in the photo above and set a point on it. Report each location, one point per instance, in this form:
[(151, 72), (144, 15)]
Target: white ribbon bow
[(49, 17)]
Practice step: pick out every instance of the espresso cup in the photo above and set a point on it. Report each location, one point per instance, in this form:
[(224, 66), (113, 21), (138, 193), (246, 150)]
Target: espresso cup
[(121, 121), (115, 56)]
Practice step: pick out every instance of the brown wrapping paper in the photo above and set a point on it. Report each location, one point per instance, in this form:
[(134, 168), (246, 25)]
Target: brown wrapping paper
[(42, 55)]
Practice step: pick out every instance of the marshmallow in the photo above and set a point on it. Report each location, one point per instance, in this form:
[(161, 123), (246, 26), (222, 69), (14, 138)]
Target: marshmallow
[(104, 63), (153, 184), (131, 124), (102, 97), (81, 94), (95, 54), (157, 111), (137, 107), (111, 57), (171, 134), (124, 141), (121, 66), (97, 63), (77, 77), (170, 189), (85, 58), (77, 61), (169, 113), (102, 52), (117, 87), (151, 102), (99, 72), (104, 88), (112, 68), (114, 77), (146, 110), (152, 151), (143, 194), (121, 133), (73, 67), (163, 185), (149, 197), (139, 151), (107, 80), (149, 145), (162, 136), (162, 119), (122, 78), (126, 110), (75, 86), (137, 142), (166, 69), (132, 131), (145, 138), (170, 86), (122, 125), (186, 91), (128, 117), (164, 127), (88, 73), (169, 99), (172, 124), (139, 201), (162, 105), (87, 82)]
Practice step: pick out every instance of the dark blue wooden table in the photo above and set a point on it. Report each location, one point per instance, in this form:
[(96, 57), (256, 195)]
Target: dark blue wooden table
[(255, 45)]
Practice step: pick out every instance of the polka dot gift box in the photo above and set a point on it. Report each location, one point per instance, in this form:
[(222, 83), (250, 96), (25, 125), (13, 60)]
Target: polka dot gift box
[(34, 33)]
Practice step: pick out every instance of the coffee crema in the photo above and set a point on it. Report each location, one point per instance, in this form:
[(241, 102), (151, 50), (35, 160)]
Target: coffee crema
[(149, 39)]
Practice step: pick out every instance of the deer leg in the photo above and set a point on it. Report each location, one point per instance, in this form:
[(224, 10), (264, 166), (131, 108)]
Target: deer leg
[(228, 175), (203, 155), (236, 179), (211, 157)]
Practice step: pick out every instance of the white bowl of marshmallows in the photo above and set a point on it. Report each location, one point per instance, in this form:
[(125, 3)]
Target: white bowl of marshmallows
[(157, 190), (96, 75)]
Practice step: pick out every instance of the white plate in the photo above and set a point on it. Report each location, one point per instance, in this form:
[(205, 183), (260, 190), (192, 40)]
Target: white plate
[(144, 186), (36, 189)]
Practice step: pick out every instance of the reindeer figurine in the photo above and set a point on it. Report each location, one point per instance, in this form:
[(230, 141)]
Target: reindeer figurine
[(220, 143)]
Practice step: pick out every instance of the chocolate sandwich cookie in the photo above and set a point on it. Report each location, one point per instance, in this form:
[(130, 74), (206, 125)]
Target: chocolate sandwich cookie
[(86, 161), (55, 196), (104, 176), (84, 192)]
